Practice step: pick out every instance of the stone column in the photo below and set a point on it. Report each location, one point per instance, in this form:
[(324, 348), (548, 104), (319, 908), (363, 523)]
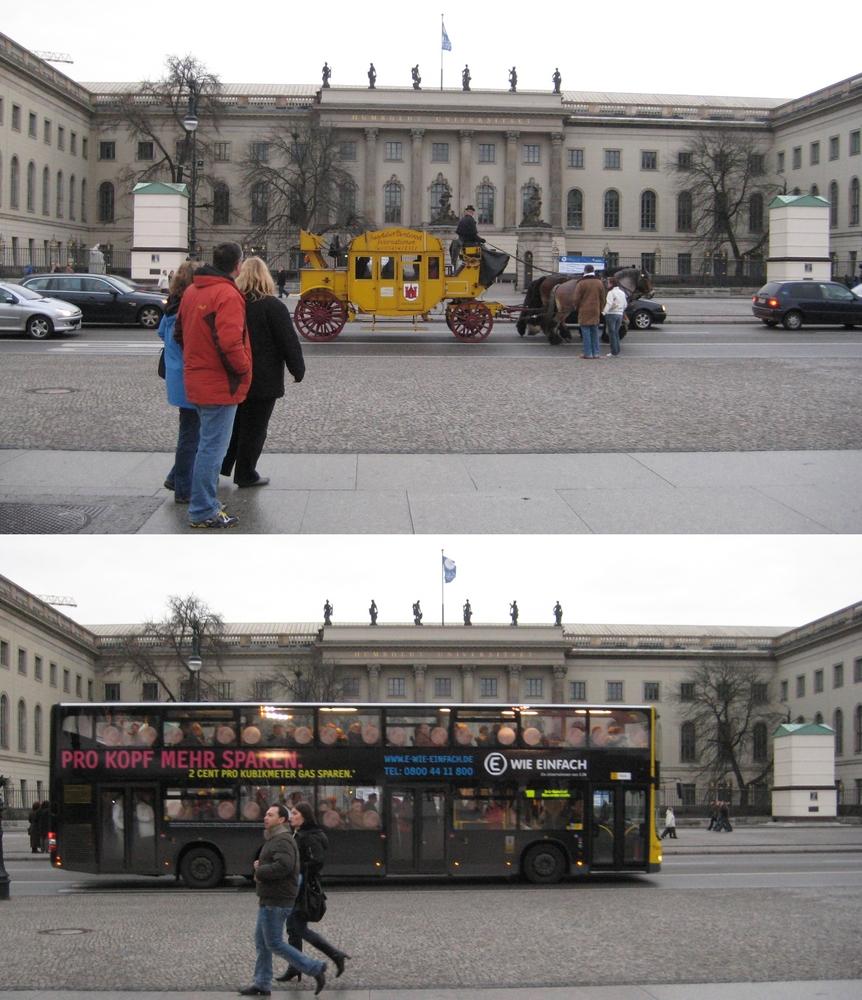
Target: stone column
[(369, 206), (510, 197), (558, 695), (419, 681), (465, 173), (515, 683), (467, 683), (416, 185), (373, 681), (556, 175)]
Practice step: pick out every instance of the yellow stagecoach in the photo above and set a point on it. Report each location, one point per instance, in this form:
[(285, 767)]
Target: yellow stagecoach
[(395, 273)]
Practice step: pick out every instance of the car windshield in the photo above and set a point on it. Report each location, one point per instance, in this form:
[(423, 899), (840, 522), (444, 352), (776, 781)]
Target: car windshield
[(22, 292)]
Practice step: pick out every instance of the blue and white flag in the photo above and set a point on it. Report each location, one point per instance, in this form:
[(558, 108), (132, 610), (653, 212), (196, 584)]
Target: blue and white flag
[(447, 47), (448, 569)]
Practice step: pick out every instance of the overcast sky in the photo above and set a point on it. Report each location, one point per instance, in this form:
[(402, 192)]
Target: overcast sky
[(765, 49), (695, 580)]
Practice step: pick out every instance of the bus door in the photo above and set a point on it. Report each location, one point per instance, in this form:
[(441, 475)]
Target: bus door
[(619, 827), (416, 832), (127, 829)]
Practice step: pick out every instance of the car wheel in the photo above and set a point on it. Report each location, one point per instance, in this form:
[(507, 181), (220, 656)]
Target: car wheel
[(642, 319), (150, 317), (39, 327), (792, 320)]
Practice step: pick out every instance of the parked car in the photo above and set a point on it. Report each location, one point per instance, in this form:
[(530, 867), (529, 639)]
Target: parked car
[(103, 298), (25, 310), (794, 303)]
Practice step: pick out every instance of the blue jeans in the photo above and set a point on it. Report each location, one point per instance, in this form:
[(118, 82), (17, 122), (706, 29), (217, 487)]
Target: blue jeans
[(590, 336), (613, 321), (184, 459), (216, 424), (269, 938)]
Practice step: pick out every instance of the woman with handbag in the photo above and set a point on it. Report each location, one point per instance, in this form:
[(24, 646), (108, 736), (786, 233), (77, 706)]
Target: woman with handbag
[(312, 844)]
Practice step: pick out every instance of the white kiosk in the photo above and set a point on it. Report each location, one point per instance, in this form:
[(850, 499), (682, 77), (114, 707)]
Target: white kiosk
[(798, 239), (160, 241), (803, 785)]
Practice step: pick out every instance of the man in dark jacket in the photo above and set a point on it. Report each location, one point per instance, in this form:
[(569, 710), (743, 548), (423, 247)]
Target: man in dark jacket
[(216, 371), (276, 878), (466, 230)]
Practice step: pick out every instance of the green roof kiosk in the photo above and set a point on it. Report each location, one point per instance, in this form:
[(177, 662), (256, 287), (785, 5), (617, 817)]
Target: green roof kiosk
[(804, 773), (160, 240), (799, 239)]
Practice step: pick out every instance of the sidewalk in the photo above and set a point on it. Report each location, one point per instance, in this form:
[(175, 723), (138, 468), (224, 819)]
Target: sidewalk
[(793, 492)]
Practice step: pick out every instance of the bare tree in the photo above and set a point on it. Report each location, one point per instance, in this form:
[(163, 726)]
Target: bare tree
[(159, 652), (725, 699), (721, 173), (314, 681)]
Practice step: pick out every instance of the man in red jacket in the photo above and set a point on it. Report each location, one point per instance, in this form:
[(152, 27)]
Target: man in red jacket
[(216, 371)]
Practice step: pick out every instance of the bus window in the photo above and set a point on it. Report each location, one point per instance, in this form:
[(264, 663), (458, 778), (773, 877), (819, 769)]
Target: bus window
[(560, 807), (344, 807), (77, 732), (417, 728), (485, 728), (122, 729), (362, 268), (199, 728), (281, 726), (199, 804), (348, 727), (483, 809), (433, 268), (628, 728)]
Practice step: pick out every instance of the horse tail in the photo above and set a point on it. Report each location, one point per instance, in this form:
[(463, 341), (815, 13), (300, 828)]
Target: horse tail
[(532, 300), (551, 323)]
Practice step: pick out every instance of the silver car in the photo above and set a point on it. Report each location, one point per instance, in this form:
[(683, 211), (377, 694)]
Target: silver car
[(23, 310)]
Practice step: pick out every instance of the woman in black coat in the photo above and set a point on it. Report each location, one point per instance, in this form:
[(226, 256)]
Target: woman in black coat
[(274, 345), (33, 828), (312, 844)]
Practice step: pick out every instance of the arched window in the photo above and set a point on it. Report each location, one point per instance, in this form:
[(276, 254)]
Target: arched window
[(833, 204), (815, 190), (755, 213), (392, 195), (106, 202), (72, 197), (37, 729), (649, 210), (759, 744), (46, 191), (60, 194), (611, 210), (857, 730), (221, 204), (687, 743), (818, 718), (83, 201), (4, 722), (838, 726), (346, 212), (14, 182), (485, 202), (31, 186), (854, 202), (259, 202), (22, 726), (575, 209), (684, 212)]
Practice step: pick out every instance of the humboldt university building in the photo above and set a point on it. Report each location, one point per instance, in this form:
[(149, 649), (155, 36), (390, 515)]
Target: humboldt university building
[(807, 674), (604, 173)]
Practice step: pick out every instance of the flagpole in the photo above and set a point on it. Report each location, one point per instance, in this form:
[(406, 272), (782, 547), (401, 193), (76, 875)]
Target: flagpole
[(441, 70), (442, 591)]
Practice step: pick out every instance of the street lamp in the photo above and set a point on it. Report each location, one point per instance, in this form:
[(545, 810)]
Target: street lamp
[(190, 124), (194, 663)]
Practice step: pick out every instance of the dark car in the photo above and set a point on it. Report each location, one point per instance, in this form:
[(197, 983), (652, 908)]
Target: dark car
[(794, 303), (103, 298)]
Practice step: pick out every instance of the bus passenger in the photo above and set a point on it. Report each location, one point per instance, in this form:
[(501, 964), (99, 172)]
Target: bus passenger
[(422, 736)]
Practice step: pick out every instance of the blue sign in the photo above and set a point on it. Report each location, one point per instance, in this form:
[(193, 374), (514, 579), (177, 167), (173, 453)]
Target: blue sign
[(572, 264)]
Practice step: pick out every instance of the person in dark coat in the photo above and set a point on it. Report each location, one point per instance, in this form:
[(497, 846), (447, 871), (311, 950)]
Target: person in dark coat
[(466, 230), (274, 344), (281, 281), (44, 825), (312, 845), (33, 828)]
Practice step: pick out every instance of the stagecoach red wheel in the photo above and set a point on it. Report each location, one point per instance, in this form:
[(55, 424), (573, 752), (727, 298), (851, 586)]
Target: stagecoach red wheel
[(469, 321), (320, 315)]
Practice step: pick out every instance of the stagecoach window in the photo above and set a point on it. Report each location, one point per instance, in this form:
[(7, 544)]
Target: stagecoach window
[(619, 728), (348, 807), (491, 727), (362, 268), (348, 727), (552, 806), (433, 268), (387, 268), (417, 729), (200, 727), (199, 805), (484, 809), (410, 265)]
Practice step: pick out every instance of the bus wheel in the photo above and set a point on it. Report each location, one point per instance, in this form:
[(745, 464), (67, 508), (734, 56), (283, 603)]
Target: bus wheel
[(544, 863), (201, 868)]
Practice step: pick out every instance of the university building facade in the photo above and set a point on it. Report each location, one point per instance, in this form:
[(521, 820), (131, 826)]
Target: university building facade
[(602, 166)]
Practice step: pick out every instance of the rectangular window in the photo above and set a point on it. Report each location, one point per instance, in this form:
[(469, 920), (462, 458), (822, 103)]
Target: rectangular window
[(73, 143), (347, 150), (112, 692), (350, 688), (439, 152), (615, 690), (535, 687), (487, 152), (683, 264), (107, 150), (90, 690), (757, 164), (67, 681), (487, 687), (149, 691), (686, 691), (759, 693), (46, 131), (800, 686), (221, 152), (613, 159), (855, 141), (857, 670), (32, 125), (259, 152), (578, 690), (442, 687), (222, 690), (146, 151), (687, 743), (838, 675), (396, 687), (16, 117), (818, 682), (834, 147), (780, 162), (651, 690), (79, 686), (37, 668), (797, 157), (814, 154), (22, 662), (532, 153), (784, 691), (52, 674), (1, 110), (4, 653), (84, 145), (392, 151), (649, 159), (575, 158), (683, 160), (61, 137)]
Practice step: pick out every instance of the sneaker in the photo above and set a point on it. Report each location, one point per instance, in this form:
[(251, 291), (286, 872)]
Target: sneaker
[(220, 520)]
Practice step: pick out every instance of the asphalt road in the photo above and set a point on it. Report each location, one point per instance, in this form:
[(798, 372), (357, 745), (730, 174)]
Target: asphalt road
[(707, 386)]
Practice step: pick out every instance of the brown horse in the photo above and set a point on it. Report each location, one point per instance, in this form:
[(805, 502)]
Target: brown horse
[(547, 303)]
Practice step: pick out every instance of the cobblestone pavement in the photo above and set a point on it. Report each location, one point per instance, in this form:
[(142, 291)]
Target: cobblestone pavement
[(461, 405)]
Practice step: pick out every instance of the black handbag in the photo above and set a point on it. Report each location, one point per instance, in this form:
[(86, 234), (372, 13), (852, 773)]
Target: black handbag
[(161, 366), (312, 899)]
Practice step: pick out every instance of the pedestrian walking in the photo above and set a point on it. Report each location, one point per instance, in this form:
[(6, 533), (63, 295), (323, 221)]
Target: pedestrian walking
[(615, 305), (274, 345), (179, 479), (312, 844), (724, 817), (164, 281), (33, 828), (669, 825), (276, 879), (281, 281), (44, 825), (589, 300)]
